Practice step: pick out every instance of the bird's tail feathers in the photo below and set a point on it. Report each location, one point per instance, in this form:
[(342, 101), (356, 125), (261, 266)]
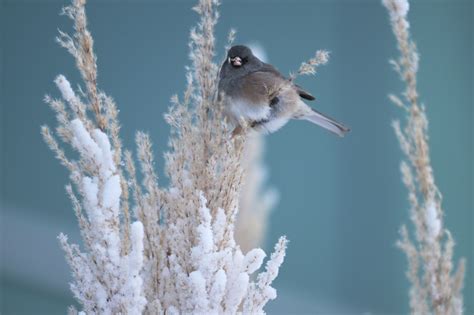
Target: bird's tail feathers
[(326, 122)]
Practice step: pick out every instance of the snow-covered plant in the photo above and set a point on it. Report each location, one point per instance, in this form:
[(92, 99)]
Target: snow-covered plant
[(435, 288), (179, 255)]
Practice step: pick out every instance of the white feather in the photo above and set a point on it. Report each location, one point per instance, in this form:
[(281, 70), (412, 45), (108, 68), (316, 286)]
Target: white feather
[(274, 124), (251, 112)]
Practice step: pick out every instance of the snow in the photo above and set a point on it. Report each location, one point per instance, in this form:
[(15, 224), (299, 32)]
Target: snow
[(103, 143), (84, 143), (65, 88), (253, 260), (90, 191), (433, 223), (217, 290), (111, 193)]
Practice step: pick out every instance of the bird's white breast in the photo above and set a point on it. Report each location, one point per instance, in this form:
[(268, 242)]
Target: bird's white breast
[(274, 124), (240, 108)]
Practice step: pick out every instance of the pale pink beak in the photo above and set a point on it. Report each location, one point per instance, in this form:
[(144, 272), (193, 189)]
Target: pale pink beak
[(236, 61)]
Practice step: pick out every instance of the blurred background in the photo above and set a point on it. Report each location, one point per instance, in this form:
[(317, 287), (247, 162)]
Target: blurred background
[(341, 200)]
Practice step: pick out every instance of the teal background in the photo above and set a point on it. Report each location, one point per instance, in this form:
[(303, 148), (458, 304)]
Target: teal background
[(342, 200)]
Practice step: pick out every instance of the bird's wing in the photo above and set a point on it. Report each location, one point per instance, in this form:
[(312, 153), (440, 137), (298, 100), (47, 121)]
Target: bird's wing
[(253, 95), (261, 87), (301, 92)]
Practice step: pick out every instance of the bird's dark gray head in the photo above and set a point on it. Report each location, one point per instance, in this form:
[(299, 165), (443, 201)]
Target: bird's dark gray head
[(239, 56), (240, 60)]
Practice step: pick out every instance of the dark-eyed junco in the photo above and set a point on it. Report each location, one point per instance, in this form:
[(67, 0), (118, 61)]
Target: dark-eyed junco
[(258, 93)]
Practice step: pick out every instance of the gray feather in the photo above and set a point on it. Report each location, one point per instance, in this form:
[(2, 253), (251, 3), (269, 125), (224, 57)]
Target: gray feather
[(326, 122)]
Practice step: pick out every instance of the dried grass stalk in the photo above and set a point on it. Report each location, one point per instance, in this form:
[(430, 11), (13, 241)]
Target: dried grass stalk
[(435, 285)]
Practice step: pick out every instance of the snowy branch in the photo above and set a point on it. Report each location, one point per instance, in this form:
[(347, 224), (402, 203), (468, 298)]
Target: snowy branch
[(179, 256)]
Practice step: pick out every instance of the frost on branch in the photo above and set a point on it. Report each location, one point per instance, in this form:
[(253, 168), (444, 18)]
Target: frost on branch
[(107, 275), (179, 256)]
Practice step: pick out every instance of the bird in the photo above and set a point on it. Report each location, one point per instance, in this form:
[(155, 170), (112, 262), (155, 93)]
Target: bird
[(257, 93)]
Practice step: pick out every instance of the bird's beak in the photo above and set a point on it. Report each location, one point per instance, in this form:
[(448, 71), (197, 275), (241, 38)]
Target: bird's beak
[(236, 61)]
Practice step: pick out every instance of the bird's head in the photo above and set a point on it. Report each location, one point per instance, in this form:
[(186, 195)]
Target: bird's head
[(240, 57), (240, 61)]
